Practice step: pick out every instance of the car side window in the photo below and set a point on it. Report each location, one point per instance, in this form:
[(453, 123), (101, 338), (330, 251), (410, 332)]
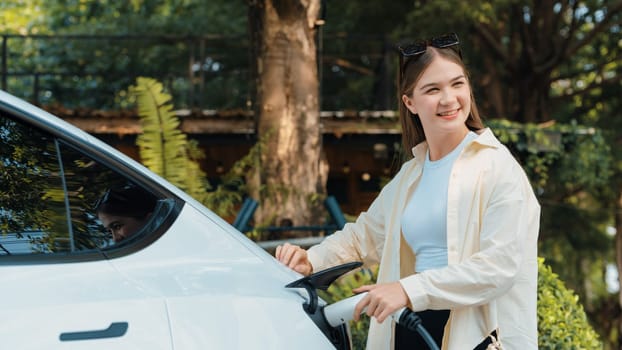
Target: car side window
[(51, 194)]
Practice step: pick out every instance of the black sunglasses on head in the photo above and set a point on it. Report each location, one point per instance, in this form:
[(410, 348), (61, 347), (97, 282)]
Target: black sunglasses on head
[(439, 42)]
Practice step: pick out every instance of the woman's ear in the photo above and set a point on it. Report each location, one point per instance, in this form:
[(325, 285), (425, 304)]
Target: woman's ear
[(408, 102)]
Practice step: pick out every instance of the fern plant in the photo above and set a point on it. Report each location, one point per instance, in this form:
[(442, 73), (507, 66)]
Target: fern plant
[(168, 152), (163, 147)]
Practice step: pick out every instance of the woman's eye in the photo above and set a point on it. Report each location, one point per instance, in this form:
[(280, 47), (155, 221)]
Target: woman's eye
[(116, 227)]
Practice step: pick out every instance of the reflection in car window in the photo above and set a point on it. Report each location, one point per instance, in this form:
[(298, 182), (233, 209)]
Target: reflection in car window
[(125, 210), (48, 192)]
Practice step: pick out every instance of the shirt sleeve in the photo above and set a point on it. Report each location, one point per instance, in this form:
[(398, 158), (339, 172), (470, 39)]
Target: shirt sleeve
[(362, 240)]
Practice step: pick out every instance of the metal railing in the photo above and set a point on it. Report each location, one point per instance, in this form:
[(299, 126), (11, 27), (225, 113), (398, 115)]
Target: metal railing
[(337, 222), (204, 72), (47, 64)]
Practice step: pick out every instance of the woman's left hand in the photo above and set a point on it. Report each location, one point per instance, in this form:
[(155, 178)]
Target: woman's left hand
[(381, 300)]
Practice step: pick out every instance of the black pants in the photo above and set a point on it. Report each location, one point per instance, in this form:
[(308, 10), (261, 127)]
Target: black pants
[(434, 322)]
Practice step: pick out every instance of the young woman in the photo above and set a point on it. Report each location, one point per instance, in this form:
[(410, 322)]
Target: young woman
[(454, 232)]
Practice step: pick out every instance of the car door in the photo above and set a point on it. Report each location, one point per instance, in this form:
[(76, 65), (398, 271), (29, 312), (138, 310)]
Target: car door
[(59, 289), (78, 306)]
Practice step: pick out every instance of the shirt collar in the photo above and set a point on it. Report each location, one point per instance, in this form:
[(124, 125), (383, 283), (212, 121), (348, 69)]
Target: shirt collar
[(486, 138)]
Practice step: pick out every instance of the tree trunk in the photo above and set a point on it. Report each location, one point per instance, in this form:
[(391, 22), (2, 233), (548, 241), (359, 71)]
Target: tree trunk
[(292, 171)]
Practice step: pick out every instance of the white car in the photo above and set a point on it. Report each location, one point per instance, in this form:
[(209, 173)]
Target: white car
[(186, 280)]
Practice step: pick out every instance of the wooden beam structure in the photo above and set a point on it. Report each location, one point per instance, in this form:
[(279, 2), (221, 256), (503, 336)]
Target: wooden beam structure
[(235, 122), (360, 146)]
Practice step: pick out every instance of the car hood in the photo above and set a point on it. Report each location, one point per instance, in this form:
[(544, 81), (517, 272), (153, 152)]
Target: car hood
[(201, 254)]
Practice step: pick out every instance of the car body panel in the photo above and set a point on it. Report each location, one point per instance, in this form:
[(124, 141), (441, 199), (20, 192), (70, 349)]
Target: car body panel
[(41, 302), (219, 286)]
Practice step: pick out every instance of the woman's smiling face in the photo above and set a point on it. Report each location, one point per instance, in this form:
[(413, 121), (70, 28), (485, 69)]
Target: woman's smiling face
[(441, 97)]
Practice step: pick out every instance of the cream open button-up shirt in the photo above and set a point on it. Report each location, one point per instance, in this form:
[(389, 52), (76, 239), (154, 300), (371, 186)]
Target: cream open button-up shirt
[(492, 230)]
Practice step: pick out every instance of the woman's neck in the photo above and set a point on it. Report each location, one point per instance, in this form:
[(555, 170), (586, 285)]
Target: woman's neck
[(441, 145)]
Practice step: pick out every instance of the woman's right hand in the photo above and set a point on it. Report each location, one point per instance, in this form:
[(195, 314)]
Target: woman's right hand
[(295, 258)]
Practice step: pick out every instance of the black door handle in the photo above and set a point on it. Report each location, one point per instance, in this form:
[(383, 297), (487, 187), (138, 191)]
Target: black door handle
[(115, 330)]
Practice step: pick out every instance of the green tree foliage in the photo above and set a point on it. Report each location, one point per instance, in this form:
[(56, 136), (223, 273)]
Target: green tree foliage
[(543, 148), (21, 17), (179, 43), (357, 53), (532, 47), (130, 17)]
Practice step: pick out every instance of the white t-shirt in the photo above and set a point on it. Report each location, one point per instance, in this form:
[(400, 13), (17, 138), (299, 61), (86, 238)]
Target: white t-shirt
[(424, 220)]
